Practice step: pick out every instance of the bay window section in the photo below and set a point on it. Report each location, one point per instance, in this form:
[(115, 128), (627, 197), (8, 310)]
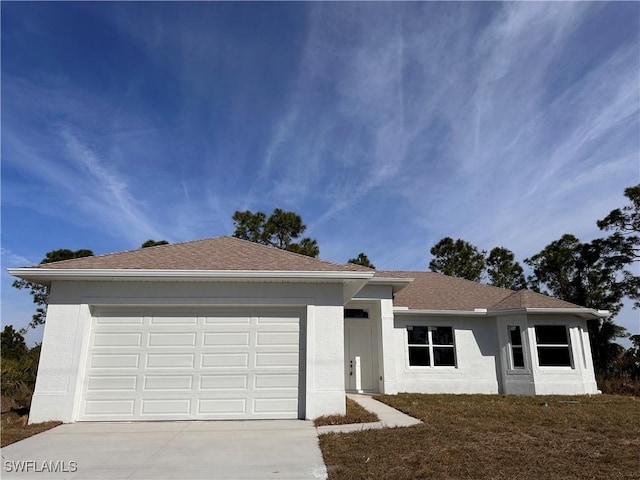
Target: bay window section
[(553, 346), (431, 346)]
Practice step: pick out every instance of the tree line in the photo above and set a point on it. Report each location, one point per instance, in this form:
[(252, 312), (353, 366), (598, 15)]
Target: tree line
[(595, 274)]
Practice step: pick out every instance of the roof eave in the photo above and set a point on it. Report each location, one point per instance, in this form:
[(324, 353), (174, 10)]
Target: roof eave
[(588, 313), (396, 283), (459, 313), (46, 275), (579, 311)]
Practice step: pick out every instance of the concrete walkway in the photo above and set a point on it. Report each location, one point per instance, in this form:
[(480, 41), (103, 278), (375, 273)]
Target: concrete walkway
[(268, 449), (278, 449), (389, 417)]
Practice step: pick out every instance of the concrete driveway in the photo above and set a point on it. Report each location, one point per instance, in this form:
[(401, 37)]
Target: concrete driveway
[(169, 450)]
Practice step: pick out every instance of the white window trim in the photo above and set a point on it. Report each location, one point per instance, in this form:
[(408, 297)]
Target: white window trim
[(568, 345), (511, 368), (430, 346)]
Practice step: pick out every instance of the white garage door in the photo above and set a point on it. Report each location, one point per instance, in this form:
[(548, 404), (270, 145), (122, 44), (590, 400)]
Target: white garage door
[(177, 365)]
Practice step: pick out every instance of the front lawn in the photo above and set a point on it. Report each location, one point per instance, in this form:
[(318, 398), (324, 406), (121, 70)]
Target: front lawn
[(495, 437)]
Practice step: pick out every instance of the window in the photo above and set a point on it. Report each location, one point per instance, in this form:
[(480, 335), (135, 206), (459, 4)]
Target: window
[(517, 353), (355, 313), (431, 346), (553, 346)]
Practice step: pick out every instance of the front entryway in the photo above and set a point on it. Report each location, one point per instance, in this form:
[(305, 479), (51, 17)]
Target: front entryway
[(359, 354)]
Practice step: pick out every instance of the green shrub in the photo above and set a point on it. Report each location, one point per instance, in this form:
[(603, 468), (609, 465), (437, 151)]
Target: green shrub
[(19, 366)]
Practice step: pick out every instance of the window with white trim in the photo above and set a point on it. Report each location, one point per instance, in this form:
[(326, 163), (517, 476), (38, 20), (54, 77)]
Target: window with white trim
[(515, 347), (552, 343), (431, 346)]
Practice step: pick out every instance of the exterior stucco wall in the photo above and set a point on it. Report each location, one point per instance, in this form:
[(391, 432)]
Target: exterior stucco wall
[(575, 380), (67, 329), (483, 361), (476, 357)]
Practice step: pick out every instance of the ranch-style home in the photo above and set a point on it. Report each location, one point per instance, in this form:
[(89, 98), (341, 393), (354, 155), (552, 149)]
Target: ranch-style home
[(224, 328)]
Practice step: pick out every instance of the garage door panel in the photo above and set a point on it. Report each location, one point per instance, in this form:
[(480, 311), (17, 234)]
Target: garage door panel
[(277, 339), (271, 381), (109, 407), (166, 407), (172, 339), (178, 366), (170, 360), (112, 383), (168, 382), (226, 339), (110, 361), (225, 360), (277, 359), (277, 319), (117, 340), (275, 406), (223, 382), (120, 320), (173, 320), (227, 320), (222, 407)]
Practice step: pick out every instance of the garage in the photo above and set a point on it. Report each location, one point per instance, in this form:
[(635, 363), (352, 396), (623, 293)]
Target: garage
[(180, 364)]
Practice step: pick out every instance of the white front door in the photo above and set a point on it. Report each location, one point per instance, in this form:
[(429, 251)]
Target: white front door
[(359, 343)]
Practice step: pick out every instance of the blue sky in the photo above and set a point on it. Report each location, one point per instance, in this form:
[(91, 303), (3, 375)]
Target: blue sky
[(387, 126)]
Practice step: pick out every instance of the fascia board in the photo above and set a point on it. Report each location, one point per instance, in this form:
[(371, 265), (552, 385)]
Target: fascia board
[(457, 313), (582, 312), (48, 274), (396, 283)]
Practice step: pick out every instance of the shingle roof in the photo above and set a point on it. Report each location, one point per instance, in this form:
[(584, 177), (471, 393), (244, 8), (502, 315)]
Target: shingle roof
[(529, 299), (428, 291), (220, 253), (434, 291)]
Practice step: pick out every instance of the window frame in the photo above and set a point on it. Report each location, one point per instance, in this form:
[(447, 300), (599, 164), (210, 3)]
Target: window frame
[(568, 346), (512, 364), (431, 347)]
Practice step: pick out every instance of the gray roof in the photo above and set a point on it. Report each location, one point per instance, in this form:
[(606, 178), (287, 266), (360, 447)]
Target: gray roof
[(220, 253), (428, 290), (434, 291)]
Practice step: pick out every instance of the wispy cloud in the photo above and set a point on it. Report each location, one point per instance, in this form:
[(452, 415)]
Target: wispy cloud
[(459, 127), (386, 125), (106, 193), (11, 259)]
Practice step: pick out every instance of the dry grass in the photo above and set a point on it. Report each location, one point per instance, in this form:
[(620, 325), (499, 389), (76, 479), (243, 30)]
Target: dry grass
[(355, 414), (495, 437), (15, 428), (619, 386)]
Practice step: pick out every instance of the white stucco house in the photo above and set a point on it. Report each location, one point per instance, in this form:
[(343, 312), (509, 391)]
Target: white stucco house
[(223, 328)]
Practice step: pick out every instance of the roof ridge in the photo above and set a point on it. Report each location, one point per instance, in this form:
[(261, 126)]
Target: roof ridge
[(523, 293), (509, 290), (130, 250), (301, 255)]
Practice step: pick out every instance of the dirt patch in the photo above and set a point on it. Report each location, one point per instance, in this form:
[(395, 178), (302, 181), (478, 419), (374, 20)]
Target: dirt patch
[(355, 414), (15, 428)]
